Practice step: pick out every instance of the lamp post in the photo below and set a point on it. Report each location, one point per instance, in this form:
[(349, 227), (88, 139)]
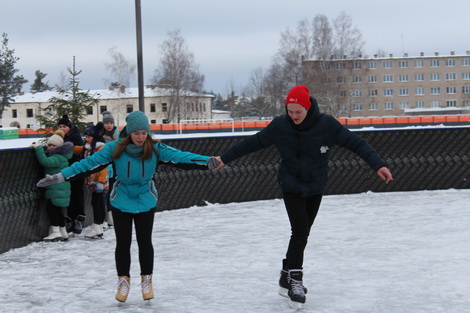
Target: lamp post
[(140, 71)]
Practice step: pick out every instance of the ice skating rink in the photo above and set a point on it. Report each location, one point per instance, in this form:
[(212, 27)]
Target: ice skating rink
[(400, 252)]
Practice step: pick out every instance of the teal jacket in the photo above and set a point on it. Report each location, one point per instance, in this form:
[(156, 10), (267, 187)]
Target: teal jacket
[(134, 190), (54, 161)]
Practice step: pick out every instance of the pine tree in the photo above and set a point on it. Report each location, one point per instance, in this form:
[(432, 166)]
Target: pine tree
[(74, 102), (39, 85), (10, 83)]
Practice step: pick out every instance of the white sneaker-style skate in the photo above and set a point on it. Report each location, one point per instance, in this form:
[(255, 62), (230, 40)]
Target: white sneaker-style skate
[(95, 232)]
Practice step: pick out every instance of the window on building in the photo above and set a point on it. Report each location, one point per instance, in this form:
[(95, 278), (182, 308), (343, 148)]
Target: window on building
[(465, 89), (450, 62), (373, 106), (388, 105), (404, 92), (357, 79), (387, 64), (388, 78), (341, 80), (103, 108), (153, 108), (434, 63), (165, 121), (403, 77), (403, 64), (419, 63), (357, 107), (164, 107), (465, 62), (340, 66), (435, 76), (14, 113), (420, 104), (372, 79), (465, 103), (373, 93), (342, 93), (153, 121), (89, 110), (356, 93), (29, 112), (451, 103), (372, 64), (435, 104), (419, 77), (451, 76), (404, 105), (419, 91), (357, 65), (388, 92), (129, 108), (435, 90), (451, 90), (465, 76)]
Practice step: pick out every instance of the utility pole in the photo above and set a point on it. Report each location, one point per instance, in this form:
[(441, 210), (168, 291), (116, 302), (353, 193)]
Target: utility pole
[(140, 71)]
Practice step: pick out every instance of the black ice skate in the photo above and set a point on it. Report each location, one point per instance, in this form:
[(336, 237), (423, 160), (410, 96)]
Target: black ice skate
[(296, 291)]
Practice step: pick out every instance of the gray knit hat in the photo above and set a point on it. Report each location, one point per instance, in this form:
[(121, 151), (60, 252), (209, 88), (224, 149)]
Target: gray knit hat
[(136, 121), (107, 117)]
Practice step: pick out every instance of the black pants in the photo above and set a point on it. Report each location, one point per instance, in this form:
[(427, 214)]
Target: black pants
[(302, 213), (55, 213), (99, 211), (143, 230), (77, 199)]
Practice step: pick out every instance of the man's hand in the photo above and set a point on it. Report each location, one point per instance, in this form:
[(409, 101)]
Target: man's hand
[(385, 174), (215, 163)]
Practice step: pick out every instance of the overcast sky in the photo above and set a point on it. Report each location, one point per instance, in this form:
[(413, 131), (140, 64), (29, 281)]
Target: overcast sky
[(228, 38)]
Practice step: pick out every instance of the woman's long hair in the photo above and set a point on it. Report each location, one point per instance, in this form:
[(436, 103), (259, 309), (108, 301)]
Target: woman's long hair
[(149, 147)]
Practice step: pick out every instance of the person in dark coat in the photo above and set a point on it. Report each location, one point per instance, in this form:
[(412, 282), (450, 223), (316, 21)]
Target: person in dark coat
[(76, 210), (304, 138)]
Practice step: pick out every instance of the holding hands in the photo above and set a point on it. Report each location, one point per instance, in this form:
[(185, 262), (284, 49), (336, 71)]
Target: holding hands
[(51, 179), (215, 163)]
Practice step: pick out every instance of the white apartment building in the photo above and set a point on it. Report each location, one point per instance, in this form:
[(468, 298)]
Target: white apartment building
[(119, 101), (393, 86)]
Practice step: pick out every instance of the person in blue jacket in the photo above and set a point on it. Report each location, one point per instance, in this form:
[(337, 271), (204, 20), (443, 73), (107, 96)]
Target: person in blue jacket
[(304, 138), (134, 196)]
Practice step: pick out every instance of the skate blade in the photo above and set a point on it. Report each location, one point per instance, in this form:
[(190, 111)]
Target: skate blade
[(283, 292), (95, 237), (295, 305)]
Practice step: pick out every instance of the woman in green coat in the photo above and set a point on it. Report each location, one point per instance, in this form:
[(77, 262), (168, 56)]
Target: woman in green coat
[(55, 157)]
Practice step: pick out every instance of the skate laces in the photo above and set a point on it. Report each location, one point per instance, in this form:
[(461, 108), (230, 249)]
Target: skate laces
[(297, 287), (123, 286), (146, 284)]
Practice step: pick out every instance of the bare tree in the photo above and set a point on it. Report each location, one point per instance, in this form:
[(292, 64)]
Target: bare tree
[(121, 69), (348, 39), (178, 70)]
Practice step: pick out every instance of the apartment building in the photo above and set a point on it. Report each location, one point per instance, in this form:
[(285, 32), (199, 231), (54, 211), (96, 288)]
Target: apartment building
[(119, 101), (392, 86)]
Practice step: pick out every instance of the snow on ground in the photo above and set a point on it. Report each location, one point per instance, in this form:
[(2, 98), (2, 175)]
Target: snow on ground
[(400, 252)]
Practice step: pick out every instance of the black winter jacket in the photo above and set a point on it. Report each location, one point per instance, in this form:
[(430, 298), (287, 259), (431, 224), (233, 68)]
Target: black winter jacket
[(74, 137), (305, 149)]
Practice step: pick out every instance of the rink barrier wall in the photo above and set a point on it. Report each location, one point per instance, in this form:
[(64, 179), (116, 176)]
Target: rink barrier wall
[(420, 159)]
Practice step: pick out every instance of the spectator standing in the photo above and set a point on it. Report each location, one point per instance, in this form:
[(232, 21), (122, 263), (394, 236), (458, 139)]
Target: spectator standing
[(54, 157), (94, 142), (76, 210)]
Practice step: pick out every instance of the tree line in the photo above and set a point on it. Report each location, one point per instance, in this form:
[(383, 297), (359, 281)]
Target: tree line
[(262, 96)]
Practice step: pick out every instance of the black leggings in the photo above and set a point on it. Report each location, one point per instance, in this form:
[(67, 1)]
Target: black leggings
[(302, 213), (97, 203), (55, 213), (143, 230)]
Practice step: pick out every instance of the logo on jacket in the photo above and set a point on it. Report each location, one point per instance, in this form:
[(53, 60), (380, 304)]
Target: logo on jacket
[(324, 149)]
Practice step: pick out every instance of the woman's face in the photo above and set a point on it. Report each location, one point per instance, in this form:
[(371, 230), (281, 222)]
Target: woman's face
[(64, 128), (139, 137), (297, 112), (51, 146), (108, 126)]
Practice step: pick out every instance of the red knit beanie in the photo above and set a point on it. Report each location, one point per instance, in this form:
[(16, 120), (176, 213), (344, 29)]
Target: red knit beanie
[(300, 95)]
